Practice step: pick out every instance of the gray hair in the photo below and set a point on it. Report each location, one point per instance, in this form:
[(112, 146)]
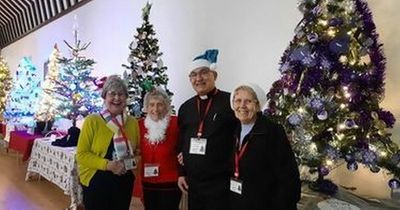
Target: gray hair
[(157, 93), (114, 83), (255, 91)]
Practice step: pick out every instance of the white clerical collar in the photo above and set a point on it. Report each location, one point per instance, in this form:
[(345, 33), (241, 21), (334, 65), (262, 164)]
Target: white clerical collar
[(203, 97)]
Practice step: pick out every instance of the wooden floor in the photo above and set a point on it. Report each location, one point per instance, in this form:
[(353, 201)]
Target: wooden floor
[(17, 194)]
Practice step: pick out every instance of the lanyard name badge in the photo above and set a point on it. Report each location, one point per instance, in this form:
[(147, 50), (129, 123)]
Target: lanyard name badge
[(151, 170), (236, 185), (126, 148), (198, 145)]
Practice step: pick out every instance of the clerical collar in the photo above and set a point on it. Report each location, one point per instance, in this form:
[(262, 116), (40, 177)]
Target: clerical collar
[(208, 95), (203, 97)]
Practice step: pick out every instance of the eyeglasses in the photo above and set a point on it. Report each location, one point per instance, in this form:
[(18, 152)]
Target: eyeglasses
[(113, 94), (202, 73), (245, 101)]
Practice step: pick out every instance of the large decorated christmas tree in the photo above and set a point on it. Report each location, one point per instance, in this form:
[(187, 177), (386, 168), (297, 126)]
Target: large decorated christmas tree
[(5, 84), (22, 102), (329, 93), (146, 69), (75, 86), (48, 103)]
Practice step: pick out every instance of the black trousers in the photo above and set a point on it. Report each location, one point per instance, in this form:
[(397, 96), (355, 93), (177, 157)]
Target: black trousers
[(107, 191), (161, 197), (209, 194)]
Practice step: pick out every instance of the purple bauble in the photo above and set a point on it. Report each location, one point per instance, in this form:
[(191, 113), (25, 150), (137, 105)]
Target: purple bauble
[(317, 10), (353, 166), (323, 170), (374, 169), (369, 157), (332, 153), (349, 123), (394, 183), (312, 37), (294, 119), (335, 22), (316, 103), (322, 115)]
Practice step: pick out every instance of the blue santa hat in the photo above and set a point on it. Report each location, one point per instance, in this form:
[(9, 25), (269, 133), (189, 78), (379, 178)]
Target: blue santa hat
[(208, 59)]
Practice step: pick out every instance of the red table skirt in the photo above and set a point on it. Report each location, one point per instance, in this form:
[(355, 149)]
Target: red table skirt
[(22, 142), (3, 129)]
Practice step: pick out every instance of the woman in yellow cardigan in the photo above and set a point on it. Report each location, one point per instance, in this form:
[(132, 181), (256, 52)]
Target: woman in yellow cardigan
[(105, 152)]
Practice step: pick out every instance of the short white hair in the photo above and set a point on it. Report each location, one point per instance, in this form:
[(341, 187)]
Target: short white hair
[(157, 93)]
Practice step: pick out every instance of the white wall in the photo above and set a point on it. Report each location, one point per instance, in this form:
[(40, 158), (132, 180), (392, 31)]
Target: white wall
[(250, 43), (251, 36)]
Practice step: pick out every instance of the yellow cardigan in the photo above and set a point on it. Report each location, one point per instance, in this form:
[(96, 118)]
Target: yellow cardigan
[(94, 140)]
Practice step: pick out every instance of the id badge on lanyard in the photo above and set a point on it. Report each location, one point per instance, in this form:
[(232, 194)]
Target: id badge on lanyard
[(129, 160), (151, 170), (236, 185), (198, 146), (129, 163)]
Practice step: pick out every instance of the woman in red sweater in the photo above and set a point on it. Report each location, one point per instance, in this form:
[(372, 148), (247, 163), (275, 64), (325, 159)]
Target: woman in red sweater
[(158, 142)]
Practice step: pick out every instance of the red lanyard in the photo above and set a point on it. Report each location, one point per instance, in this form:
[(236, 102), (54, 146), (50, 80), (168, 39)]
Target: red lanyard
[(121, 129), (238, 155), (201, 125)]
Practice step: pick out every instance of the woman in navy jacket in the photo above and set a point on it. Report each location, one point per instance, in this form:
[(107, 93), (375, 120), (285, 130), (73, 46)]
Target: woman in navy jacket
[(265, 173)]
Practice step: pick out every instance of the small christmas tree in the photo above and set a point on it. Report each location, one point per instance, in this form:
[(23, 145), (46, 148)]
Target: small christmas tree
[(23, 99), (5, 83), (329, 94), (75, 87), (48, 103), (146, 70)]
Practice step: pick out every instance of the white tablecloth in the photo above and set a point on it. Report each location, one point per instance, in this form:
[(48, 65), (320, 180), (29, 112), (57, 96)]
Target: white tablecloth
[(58, 165)]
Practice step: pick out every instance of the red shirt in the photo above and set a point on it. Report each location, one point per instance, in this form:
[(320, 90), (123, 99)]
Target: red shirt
[(164, 153)]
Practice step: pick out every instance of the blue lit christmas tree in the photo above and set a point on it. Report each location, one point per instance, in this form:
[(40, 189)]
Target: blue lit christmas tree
[(24, 97), (329, 93), (75, 86)]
